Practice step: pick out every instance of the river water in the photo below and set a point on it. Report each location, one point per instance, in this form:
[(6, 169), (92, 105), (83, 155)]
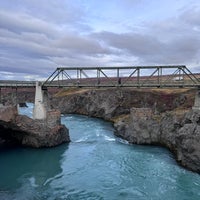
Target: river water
[(95, 165)]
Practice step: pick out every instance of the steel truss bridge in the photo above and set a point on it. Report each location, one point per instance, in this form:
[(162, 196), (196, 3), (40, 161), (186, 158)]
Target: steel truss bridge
[(173, 76), (133, 76)]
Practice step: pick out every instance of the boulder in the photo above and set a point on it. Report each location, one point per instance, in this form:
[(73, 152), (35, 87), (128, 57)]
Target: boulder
[(22, 130)]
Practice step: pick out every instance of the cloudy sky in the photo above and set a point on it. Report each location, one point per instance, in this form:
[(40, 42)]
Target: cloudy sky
[(37, 36)]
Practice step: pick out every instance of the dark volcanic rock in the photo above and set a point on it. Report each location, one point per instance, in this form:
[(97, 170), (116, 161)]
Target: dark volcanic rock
[(23, 130), (188, 141), (110, 103), (7, 116), (143, 117), (178, 132), (8, 113)]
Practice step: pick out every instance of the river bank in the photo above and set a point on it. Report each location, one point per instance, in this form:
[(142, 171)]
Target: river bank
[(155, 117), (94, 165)]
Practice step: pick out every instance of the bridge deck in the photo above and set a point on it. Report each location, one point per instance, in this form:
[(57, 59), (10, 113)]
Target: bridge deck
[(17, 84), (172, 76)]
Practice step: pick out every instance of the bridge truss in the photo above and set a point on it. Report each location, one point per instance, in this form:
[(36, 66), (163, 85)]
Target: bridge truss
[(134, 76)]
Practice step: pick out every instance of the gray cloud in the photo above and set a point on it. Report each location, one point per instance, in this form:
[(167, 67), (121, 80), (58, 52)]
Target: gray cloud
[(172, 41), (191, 16), (81, 44), (54, 11), (132, 43), (20, 23), (38, 36), (27, 48)]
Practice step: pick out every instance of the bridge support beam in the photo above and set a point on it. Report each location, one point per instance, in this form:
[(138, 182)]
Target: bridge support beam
[(197, 101), (40, 108)]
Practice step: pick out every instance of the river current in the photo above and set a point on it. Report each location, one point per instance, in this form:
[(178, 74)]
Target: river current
[(95, 165)]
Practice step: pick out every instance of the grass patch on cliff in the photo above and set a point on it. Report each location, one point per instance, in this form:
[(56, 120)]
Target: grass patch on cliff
[(69, 91), (75, 90), (170, 90), (124, 117)]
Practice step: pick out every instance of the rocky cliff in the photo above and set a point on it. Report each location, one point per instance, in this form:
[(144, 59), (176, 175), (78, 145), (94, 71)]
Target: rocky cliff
[(21, 130), (114, 102), (157, 117), (180, 132)]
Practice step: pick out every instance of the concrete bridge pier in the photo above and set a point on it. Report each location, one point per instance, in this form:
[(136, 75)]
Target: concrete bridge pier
[(197, 100), (41, 106)]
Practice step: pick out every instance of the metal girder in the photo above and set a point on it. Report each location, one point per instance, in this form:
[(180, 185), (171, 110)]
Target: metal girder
[(127, 76)]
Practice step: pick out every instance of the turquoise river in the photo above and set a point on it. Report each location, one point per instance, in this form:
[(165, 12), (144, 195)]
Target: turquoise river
[(95, 165)]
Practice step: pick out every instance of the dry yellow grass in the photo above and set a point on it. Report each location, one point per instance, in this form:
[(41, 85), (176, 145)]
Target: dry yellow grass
[(170, 90), (180, 111), (69, 91), (123, 117)]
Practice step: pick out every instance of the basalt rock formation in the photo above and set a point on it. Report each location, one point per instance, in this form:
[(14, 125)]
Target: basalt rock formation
[(180, 132), (21, 130), (155, 117), (111, 103), (143, 117)]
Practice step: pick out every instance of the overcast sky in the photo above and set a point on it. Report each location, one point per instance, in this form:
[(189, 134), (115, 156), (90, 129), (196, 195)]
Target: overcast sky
[(37, 36)]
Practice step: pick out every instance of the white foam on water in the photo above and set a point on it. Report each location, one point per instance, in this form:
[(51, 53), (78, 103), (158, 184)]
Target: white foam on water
[(83, 139), (122, 141), (107, 138)]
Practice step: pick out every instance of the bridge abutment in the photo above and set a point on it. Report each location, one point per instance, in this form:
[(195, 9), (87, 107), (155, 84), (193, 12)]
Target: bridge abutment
[(40, 107)]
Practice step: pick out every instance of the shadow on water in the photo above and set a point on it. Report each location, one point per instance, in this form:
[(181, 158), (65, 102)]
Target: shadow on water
[(36, 165)]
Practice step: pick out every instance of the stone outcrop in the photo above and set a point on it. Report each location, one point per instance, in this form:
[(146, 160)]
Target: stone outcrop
[(22, 130), (180, 132), (8, 113), (140, 116), (188, 141), (143, 117), (110, 103)]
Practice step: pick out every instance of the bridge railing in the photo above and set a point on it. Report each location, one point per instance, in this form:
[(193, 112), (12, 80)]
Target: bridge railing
[(132, 76), (16, 84)]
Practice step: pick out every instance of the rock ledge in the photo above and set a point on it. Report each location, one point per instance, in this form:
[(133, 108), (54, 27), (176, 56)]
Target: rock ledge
[(22, 130), (179, 132)]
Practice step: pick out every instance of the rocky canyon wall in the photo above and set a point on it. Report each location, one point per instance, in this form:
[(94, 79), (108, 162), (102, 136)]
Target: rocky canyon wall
[(141, 116), (150, 117), (178, 131), (111, 103)]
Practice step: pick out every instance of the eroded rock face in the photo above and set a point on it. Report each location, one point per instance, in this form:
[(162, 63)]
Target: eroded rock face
[(188, 141), (110, 103), (22, 130), (151, 118), (178, 132), (8, 113)]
